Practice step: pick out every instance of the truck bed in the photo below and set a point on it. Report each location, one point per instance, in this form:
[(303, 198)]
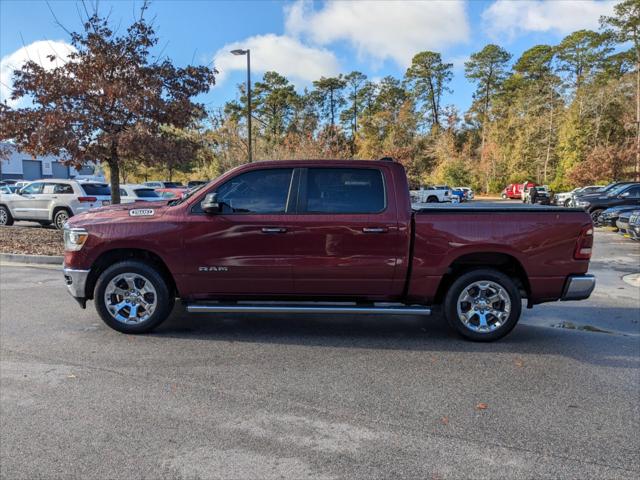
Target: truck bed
[(538, 242)]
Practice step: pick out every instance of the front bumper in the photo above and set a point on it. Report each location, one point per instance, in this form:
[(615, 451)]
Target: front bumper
[(578, 287), (76, 281)]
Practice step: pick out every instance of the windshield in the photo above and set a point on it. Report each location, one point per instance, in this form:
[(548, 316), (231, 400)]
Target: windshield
[(186, 195), (172, 185)]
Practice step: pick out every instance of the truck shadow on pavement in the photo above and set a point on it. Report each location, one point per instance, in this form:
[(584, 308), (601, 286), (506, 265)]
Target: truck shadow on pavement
[(430, 334)]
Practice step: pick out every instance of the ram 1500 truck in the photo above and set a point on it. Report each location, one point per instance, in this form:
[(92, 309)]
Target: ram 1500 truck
[(325, 237)]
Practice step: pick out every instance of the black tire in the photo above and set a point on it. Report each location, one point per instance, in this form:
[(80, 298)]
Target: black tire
[(165, 297), (567, 203), (432, 199), (467, 279), (60, 217), (595, 214), (5, 216), (504, 196)]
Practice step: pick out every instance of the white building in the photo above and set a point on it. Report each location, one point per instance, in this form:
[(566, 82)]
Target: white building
[(23, 166)]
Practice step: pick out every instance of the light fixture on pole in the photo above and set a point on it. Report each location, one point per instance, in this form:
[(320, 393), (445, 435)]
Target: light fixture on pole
[(247, 52)]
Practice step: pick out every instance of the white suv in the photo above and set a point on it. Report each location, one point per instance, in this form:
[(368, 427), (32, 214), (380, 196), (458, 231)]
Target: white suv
[(53, 201)]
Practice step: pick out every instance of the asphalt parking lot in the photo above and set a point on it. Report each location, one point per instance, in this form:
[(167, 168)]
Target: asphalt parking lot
[(288, 397)]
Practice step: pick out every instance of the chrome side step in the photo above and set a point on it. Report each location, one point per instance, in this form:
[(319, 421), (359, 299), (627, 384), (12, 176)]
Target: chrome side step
[(352, 309)]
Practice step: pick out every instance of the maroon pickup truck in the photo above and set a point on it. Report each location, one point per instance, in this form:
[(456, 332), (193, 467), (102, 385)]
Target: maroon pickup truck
[(325, 237)]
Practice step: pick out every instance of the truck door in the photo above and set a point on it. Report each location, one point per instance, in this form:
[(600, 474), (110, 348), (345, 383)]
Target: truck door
[(247, 248), (346, 240)]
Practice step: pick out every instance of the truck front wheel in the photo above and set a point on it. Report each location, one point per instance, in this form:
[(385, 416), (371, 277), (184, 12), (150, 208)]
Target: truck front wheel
[(133, 297), (483, 305)]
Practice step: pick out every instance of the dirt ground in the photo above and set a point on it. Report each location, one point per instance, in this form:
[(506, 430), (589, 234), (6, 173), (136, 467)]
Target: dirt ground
[(31, 241)]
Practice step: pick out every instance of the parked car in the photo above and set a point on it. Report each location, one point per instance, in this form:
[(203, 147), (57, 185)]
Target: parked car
[(170, 193), (563, 199), (469, 195), (621, 194), (53, 201), (514, 190), (158, 184), (598, 192), (542, 196), (21, 184), (138, 193), (431, 194), (585, 191), (622, 223), (634, 225), (297, 236), (609, 217), (459, 194)]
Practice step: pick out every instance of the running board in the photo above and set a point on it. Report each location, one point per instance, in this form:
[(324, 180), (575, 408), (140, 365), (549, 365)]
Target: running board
[(386, 309)]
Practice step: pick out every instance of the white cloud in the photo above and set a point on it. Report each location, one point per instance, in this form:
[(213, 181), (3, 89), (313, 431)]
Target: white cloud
[(382, 30), (283, 54), (36, 51), (510, 18)]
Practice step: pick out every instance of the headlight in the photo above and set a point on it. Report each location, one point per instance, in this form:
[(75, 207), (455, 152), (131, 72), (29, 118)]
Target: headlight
[(74, 238), (583, 203)]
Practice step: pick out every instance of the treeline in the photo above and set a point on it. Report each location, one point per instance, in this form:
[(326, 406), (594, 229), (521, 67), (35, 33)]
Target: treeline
[(563, 115)]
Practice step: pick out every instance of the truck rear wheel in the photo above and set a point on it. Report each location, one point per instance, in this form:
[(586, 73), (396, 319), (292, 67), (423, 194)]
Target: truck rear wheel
[(483, 305), (133, 297)]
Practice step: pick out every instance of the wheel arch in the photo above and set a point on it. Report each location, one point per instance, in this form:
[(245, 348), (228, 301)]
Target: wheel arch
[(57, 208), (500, 261), (109, 257)]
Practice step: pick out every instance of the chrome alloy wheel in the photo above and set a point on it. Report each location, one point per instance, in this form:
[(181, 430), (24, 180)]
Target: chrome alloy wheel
[(3, 216), (61, 219), (484, 306), (130, 298)]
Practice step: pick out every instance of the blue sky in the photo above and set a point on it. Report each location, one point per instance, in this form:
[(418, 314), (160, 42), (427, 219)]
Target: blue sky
[(305, 39)]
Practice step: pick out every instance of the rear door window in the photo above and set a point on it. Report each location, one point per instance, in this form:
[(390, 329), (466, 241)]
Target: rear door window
[(96, 189), (344, 190)]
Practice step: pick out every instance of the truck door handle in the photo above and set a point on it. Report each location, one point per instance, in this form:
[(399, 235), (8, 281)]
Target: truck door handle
[(274, 230), (375, 230)]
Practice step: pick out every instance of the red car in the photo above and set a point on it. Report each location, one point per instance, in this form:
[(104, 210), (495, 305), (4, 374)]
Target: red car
[(325, 237), (514, 190)]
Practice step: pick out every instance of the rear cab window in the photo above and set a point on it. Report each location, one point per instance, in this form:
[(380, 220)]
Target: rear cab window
[(344, 190)]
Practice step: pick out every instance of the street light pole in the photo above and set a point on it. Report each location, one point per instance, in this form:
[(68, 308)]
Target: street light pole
[(247, 52)]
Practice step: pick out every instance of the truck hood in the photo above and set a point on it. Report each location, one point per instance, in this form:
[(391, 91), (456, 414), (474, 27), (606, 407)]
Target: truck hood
[(134, 212)]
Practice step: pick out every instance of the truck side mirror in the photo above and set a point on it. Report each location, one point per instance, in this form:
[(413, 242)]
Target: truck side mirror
[(210, 204)]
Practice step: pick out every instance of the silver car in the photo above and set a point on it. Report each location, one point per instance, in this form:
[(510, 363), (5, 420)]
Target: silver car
[(53, 201)]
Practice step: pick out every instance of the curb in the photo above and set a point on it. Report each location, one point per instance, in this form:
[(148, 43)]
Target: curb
[(31, 259)]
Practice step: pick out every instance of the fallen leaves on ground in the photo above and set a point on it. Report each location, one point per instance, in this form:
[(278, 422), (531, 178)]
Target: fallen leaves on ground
[(34, 240), (518, 363), (482, 406), (444, 420)]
